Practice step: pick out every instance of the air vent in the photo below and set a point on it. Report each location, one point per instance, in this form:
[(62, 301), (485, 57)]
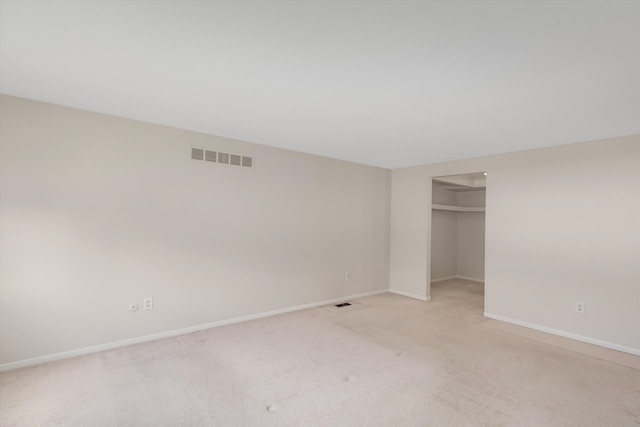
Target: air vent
[(197, 153), (344, 304), (210, 156), (221, 158)]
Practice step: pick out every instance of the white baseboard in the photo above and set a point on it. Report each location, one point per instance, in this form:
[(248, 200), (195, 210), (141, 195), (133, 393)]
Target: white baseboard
[(473, 279), (442, 279), (407, 294), (564, 334), (173, 333)]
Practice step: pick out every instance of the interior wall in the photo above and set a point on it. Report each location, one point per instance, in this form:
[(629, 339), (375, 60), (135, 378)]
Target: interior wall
[(444, 234), (561, 227), (470, 235), (470, 245), (444, 241), (98, 212)]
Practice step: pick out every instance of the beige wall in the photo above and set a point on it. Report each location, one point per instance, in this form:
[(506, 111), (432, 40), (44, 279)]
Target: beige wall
[(99, 212), (470, 261), (561, 226), (444, 244), (470, 245)]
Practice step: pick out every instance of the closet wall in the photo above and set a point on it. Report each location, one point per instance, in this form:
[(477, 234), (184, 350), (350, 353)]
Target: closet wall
[(457, 237)]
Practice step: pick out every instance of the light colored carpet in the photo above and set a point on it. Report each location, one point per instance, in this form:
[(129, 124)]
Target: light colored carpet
[(386, 360)]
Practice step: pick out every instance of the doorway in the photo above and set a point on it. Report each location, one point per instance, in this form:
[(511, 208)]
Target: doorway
[(458, 206)]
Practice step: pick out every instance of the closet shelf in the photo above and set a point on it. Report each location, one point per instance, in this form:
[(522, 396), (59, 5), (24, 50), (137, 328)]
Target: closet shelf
[(457, 208)]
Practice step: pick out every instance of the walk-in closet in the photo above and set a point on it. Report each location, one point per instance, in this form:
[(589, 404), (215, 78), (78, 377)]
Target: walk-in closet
[(457, 227)]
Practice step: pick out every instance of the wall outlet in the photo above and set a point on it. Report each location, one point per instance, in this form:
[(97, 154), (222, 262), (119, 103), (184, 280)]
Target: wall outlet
[(347, 276), (579, 307), (147, 303), (133, 307)]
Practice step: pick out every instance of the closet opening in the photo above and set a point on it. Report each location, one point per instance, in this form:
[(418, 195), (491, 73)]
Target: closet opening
[(458, 237)]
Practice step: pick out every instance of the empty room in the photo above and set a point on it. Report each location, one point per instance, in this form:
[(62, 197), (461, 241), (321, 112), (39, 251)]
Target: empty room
[(319, 213)]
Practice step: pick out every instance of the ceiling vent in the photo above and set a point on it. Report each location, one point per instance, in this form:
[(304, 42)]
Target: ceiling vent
[(221, 158)]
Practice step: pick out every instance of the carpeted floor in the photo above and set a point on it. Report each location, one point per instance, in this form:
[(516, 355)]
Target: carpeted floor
[(385, 360)]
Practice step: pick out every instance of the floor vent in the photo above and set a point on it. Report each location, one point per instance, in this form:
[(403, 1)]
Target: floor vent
[(229, 159), (344, 304)]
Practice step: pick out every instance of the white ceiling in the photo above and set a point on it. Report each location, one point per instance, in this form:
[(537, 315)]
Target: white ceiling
[(385, 83)]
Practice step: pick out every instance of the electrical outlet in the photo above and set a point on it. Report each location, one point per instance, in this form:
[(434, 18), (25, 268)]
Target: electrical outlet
[(133, 307), (147, 303), (579, 307), (347, 276)]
